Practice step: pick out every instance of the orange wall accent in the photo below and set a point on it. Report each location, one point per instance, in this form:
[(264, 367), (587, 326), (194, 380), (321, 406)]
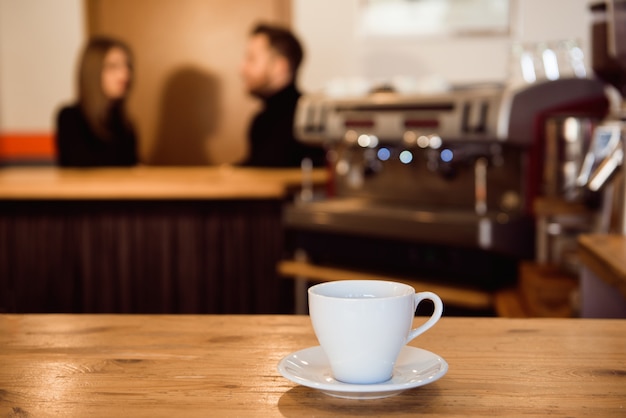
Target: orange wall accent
[(36, 145)]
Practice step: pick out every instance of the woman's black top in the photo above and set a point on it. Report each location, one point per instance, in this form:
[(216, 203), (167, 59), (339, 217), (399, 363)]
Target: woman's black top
[(79, 146)]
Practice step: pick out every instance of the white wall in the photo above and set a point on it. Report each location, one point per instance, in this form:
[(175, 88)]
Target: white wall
[(334, 49), (39, 44)]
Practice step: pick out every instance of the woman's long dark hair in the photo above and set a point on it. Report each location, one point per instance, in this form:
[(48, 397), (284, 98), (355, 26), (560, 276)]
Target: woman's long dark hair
[(100, 111)]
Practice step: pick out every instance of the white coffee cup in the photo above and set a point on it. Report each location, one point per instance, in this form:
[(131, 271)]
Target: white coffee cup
[(363, 324)]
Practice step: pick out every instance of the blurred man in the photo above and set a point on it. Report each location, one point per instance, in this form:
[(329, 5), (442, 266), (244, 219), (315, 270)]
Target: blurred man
[(269, 71)]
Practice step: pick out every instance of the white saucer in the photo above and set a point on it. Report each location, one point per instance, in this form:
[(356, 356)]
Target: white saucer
[(414, 367)]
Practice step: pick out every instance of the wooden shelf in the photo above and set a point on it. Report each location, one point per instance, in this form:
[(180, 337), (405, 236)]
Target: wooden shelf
[(509, 304), (552, 206), (453, 295)]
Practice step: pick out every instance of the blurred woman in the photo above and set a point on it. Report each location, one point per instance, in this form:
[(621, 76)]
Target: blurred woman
[(96, 130)]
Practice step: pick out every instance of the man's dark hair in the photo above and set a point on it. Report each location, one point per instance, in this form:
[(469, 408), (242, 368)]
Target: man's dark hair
[(284, 42)]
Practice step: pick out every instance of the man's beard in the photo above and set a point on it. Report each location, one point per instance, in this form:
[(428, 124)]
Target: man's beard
[(263, 89), (261, 92)]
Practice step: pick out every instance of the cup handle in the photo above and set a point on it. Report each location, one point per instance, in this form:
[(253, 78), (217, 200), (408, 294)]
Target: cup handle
[(419, 297)]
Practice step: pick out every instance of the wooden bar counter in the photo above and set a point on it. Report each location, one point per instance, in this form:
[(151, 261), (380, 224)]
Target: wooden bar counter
[(606, 256), (603, 275), (144, 182), (226, 366), (143, 239)]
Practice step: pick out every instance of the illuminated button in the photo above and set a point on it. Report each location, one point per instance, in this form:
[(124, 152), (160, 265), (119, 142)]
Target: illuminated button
[(406, 157), (384, 154), (342, 167), (446, 155), (373, 141), (350, 136), (435, 142), (364, 140), (409, 137), (423, 141)]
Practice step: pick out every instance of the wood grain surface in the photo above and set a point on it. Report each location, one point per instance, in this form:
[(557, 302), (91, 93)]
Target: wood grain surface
[(188, 366), (143, 182)]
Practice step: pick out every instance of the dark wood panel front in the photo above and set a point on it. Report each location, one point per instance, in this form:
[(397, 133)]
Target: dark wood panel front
[(141, 256)]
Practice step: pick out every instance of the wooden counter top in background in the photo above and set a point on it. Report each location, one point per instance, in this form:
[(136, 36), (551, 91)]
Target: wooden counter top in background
[(605, 255), (223, 182), (144, 239)]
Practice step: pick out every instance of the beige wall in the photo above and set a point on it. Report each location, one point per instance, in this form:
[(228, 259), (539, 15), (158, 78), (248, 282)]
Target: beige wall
[(39, 43), (188, 99)]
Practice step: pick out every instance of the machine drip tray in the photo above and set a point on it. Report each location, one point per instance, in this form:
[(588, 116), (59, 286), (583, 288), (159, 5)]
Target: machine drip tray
[(444, 246), (437, 263), (494, 232)]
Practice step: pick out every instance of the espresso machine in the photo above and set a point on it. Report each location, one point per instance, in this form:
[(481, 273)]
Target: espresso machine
[(602, 168), (432, 186)]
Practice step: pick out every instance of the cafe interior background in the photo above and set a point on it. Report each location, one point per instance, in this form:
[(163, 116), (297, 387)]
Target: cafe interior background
[(192, 112)]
